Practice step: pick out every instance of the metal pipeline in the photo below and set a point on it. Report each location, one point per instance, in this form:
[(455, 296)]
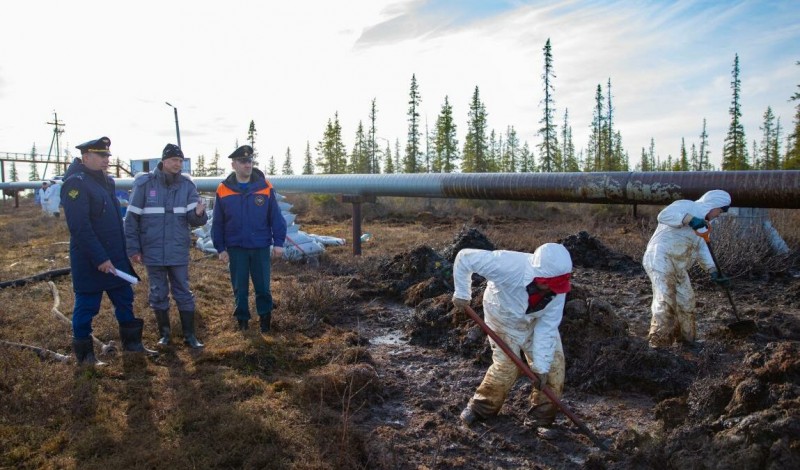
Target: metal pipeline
[(766, 189)]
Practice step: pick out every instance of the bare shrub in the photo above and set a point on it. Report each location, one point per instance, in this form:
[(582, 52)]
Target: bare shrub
[(308, 302), (745, 251)]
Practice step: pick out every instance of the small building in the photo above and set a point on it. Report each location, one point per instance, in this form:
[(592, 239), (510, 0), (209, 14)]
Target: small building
[(148, 164)]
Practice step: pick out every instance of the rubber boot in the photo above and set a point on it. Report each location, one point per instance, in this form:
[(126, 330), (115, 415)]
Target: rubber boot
[(84, 353), (131, 335), (264, 321), (187, 323), (162, 320)]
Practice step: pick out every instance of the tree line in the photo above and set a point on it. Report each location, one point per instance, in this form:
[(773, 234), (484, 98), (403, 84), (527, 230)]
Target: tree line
[(487, 150)]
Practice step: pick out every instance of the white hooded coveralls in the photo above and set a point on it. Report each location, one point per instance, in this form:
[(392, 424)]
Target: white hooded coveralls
[(52, 199), (505, 302), (671, 252)]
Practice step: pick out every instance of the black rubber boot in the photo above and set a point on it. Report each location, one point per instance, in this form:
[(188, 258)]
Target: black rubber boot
[(264, 321), (242, 325), (131, 335), (187, 323), (84, 353), (162, 320)]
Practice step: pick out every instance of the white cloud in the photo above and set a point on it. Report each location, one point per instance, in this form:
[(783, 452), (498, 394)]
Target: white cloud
[(108, 69)]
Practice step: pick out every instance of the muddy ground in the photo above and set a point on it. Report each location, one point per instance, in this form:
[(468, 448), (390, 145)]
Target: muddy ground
[(733, 402), (410, 367)]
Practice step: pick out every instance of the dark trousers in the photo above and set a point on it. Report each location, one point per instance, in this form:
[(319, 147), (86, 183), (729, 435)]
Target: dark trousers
[(247, 263), (88, 305), (164, 279)]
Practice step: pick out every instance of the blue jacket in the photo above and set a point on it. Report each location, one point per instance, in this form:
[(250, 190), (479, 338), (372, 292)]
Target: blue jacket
[(247, 220), (160, 216), (95, 227)]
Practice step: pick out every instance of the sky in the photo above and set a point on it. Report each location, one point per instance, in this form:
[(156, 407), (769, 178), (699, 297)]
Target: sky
[(108, 69)]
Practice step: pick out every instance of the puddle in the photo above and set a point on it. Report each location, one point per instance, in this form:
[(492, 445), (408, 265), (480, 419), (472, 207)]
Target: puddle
[(392, 338)]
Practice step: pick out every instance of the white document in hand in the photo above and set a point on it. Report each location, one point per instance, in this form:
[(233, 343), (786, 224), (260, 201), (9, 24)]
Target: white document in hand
[(126, 276)]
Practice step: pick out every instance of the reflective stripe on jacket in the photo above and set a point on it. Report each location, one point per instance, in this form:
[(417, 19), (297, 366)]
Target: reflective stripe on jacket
[(159, 218)]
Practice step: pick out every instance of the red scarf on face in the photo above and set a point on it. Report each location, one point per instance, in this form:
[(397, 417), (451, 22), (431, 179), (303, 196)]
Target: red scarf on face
[(557, 284)]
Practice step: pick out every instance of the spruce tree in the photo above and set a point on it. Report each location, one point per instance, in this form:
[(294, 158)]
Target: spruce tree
[(703, 156), (734, 153), (200, 166), (251, 137), (682, 164), (412, 161), (213, 167), (374, 153), (474, 155), (271, 168), (360, 159), (332, 157), (445, 144), (13, 172), (792, 159), (34, 171), (570, 162), (549, 156), (595, 150), (308, 163), (388, 161), (510, 158), (287, 163), (768, 154), (611, 158)]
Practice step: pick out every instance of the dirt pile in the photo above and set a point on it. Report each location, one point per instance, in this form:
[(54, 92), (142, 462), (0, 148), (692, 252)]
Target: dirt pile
[(747, 418), (589, 252)]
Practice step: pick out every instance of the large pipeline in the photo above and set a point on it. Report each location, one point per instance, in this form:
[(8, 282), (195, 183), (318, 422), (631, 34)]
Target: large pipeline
[(768, 189)]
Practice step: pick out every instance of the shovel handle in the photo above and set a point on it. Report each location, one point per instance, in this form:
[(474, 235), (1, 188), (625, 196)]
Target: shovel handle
[(704, 236), (529, 373)]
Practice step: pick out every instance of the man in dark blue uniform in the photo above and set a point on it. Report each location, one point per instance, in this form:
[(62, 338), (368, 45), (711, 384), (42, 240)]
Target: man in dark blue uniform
[(248, 228), (97, 251)]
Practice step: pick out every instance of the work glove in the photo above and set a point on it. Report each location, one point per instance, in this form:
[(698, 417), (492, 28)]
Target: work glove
[(460, 306), (697, 223), (542, 380), (721, 281)]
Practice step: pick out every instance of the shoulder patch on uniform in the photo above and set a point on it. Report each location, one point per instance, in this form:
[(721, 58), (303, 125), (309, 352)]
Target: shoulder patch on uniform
[(73, 193)]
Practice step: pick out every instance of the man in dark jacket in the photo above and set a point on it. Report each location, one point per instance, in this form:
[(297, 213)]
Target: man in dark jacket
[(246, 222), (97, 251), (164, 205)]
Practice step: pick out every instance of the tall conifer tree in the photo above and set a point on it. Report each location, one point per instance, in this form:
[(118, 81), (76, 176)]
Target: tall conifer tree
[(474, 155), (308, 162), (287, 163), (734, 153), (445, 144), (792, 159), (412, 161), (549, 157)]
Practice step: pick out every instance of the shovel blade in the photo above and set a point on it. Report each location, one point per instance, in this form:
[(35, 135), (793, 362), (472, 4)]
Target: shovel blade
[(743, 327)]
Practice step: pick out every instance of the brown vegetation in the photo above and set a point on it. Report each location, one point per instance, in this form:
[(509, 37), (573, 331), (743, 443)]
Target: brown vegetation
[(366, 368)]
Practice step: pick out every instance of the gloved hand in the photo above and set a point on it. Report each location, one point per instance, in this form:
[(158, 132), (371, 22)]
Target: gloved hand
[(542, 380), (697, 223), (721, 281), (459, 307)]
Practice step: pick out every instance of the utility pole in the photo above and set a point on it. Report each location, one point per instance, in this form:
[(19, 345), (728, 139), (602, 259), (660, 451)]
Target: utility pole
[(55, 142), (177, 129)]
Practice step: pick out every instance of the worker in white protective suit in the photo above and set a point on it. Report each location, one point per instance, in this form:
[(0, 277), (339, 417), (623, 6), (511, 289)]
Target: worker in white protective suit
[(52, 199), (671, 252), (523, 303)]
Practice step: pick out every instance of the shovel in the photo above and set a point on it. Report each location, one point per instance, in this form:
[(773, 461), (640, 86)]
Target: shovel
[(739, 326)]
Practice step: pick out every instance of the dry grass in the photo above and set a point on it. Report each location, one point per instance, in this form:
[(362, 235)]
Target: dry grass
[(284, 400)]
